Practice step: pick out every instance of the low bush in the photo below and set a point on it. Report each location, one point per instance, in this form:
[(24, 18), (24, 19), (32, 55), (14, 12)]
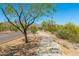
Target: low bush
[(66, 35), (48, 25), (33, 28), (12, 28), (7, 27), (68, 31)]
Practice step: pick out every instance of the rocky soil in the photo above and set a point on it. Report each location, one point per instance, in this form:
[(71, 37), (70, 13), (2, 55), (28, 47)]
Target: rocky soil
[(47, 46), (40, 44)]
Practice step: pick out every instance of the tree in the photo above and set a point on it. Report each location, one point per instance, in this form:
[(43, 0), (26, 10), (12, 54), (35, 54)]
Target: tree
[(24, 15)]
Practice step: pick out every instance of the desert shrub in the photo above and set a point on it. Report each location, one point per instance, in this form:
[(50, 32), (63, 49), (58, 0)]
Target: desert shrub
[(33, 28), (48, 25), (12, 28), (57, 27), (64, 34), (69, 32), (6, 27), (70, 27), (3, 28)]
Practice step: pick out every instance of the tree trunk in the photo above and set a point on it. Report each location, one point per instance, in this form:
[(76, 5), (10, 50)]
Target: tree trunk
[(25, 34)]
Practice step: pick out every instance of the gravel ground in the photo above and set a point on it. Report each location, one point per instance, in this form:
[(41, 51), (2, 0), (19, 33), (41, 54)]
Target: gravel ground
[(47, 46)]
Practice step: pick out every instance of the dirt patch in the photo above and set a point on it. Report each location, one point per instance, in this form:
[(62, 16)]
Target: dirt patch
[(18, 47), (67, 47)]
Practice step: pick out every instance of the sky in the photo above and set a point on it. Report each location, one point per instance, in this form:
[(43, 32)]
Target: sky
[(65, 12)]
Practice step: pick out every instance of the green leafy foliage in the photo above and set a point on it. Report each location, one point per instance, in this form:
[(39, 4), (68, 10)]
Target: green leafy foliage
[(7, 27), (64, 34), (42, 9), (48, 25), (33, 28), (12, 28), (68, 31), (9, 9)]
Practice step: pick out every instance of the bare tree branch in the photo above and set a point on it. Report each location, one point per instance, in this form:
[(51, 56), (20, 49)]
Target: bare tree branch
[(10, 21), (34, 17), (15, 11), (20, 20), (31, 23)]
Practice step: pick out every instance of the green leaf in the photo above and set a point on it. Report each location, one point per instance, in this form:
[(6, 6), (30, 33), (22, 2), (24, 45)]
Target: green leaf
[(9, 9)]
